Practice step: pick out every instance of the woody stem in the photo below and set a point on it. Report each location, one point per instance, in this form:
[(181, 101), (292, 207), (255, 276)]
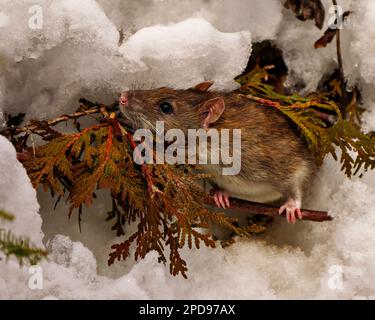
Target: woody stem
[(269, 210)]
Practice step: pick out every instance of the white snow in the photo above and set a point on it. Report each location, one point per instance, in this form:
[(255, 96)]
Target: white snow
[(188, 45), (363, 41), (17, 196), (4, 19), (77, 53), (226, 16)]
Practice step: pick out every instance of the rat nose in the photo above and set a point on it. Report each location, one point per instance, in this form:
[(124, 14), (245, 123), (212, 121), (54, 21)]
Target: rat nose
[(124, 99)]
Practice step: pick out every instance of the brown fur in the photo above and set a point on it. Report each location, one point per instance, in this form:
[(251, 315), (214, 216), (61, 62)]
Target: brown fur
[(273, 153)]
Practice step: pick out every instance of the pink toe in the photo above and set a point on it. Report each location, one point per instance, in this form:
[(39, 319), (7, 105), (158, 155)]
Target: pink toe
[(221, 199), (293, 218), (226, 199), (216, 200)]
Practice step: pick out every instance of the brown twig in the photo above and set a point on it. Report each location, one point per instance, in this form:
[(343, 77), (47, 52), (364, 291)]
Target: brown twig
[(340, 62), (34, 127), (93, 108), (270, 210)]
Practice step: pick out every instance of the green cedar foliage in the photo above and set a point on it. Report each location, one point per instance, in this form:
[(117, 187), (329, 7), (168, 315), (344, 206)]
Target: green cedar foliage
[(18, 247)]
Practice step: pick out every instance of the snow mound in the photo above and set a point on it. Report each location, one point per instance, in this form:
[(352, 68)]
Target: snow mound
[(60, 21), (226, 16), (363, 42), (17, 196), (165, 53)]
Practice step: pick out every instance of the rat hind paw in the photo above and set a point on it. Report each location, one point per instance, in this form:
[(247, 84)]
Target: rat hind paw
[(221, 199), (292, 209)]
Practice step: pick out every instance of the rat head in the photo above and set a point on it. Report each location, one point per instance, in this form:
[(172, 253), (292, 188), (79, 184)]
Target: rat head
[(183, 109)]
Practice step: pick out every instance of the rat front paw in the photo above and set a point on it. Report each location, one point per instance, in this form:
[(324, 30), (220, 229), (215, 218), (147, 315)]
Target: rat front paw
[(292, 209), (222, 199)]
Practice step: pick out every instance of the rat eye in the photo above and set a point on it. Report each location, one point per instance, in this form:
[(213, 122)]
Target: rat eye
[(166, 107)]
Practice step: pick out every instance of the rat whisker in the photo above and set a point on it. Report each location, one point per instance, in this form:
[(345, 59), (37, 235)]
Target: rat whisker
[(133, 85), (148, 123), (139, 84), (153, 84)]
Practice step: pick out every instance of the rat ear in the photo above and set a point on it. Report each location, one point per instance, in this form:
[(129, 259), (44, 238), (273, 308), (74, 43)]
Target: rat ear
[(211, 110), (203, 87)]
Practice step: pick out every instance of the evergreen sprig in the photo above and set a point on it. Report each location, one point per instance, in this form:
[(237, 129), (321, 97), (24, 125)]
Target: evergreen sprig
[(6, 216), (357, 148), (19, 247)]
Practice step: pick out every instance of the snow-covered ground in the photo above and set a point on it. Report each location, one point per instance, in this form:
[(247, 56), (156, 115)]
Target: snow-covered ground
[(77, 52)]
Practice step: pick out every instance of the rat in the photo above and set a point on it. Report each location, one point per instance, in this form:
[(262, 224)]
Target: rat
[(276, 162)]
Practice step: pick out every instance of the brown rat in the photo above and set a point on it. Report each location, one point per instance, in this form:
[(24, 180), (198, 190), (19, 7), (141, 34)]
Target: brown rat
[(275, 161)]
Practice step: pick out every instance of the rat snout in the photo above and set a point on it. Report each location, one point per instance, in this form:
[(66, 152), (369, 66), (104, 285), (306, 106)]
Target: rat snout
[(124, 99), (131, 107), (128, 101)]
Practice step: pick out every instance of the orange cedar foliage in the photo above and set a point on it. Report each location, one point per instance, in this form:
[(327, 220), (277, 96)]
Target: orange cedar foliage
[(165, 201)]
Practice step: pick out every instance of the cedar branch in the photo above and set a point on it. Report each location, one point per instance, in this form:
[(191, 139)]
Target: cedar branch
[(237, 204), (145, 170)]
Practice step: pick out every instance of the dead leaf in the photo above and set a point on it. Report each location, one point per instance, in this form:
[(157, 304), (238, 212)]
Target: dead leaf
[(307, 10), (330, 33)]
